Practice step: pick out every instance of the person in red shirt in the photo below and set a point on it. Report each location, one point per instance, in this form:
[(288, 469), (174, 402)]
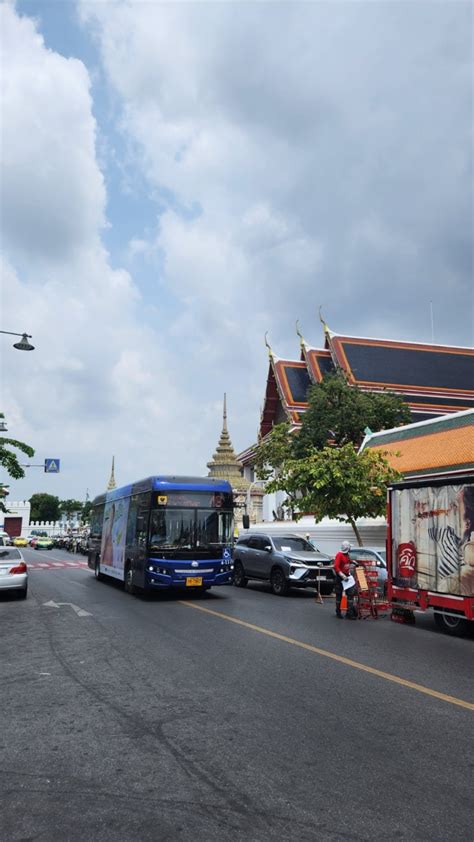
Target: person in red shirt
[(342, 568)]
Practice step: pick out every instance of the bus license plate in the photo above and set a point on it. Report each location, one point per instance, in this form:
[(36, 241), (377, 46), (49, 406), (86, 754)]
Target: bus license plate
[(193, 582)]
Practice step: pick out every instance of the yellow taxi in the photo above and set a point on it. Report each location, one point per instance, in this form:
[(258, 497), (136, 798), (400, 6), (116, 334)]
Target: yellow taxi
[(20, 542)]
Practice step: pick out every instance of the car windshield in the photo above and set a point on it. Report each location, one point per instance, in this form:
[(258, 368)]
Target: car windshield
[(383, 555), (7, 553), (291, 543)]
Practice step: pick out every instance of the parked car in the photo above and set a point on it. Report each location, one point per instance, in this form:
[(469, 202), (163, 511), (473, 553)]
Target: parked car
[(43, 544), (373, 556), (18, 541), (284, 560), (13, 571)]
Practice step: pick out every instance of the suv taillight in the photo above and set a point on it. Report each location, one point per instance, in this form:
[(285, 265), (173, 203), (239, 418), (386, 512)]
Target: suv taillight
[(20, 568)]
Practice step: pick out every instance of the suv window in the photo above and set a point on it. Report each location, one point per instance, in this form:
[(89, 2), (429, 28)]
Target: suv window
[(294, 543), (259, 542), (243, 542)]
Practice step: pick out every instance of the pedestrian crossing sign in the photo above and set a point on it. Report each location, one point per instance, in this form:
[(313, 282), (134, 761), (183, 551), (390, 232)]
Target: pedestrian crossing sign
[(51, 466)]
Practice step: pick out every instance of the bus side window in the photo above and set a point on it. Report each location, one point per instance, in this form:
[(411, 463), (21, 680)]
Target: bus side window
[(97, 520), (142, 527), (132, 522)]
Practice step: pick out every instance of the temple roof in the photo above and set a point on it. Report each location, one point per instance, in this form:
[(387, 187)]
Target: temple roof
[(440, 445), (433, 379)]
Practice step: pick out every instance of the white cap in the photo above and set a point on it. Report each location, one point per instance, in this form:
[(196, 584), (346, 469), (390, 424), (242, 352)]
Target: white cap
[(346, 546)]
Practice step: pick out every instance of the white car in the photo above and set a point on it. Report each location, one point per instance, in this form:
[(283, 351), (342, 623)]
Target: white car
[(13, 572)]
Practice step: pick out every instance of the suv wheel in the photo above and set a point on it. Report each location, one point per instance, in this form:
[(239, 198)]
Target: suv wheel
[(240, 580), (278, 582)]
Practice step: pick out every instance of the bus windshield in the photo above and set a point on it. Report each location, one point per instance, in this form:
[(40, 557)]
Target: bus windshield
[(189, 528)]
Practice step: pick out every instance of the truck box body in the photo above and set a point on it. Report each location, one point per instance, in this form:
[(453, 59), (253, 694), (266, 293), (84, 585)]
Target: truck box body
[(431, 546)]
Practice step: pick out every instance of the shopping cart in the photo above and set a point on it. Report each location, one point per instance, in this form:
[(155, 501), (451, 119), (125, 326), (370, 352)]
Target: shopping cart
[(370, 603)]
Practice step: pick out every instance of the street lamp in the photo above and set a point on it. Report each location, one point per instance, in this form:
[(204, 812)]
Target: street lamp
[(23, 344)]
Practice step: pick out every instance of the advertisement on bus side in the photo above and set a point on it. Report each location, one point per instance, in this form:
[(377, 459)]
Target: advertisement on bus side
[(114, 533)]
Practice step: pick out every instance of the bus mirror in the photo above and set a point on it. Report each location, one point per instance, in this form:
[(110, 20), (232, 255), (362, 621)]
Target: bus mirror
[(246, 521)]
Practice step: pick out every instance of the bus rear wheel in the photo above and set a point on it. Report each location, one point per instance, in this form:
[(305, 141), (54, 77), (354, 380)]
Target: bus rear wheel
[(451, 624)]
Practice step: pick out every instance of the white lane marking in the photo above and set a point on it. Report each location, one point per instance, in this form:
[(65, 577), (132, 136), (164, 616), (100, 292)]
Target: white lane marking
[(79, 611)]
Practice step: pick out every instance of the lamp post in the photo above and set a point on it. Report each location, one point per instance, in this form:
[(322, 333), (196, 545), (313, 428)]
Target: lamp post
[(23, 344)]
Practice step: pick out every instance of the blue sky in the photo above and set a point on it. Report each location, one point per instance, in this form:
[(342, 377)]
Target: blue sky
[(180, 178)]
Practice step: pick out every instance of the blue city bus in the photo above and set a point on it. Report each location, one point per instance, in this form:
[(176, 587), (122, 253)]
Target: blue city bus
[(164, 532)]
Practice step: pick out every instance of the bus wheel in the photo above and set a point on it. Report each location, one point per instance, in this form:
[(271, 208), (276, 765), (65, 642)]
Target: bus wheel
[(98, 575), (128, 581), (450, 624)]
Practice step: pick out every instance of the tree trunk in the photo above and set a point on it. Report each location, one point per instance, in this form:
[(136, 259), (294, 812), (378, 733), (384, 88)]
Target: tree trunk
[(356, 531)]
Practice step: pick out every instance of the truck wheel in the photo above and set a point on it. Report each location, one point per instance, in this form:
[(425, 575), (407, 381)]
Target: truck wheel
[(450, 624), (278, 582), (240, 580)]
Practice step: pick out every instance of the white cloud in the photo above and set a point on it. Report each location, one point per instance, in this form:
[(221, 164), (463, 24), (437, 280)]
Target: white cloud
[(100, 380), (326, 146), (298, 155)]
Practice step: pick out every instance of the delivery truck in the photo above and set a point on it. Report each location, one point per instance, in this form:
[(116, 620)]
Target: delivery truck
[(430, 549)]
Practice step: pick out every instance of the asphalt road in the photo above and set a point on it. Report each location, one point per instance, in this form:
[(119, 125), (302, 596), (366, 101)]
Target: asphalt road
[(124, 718)]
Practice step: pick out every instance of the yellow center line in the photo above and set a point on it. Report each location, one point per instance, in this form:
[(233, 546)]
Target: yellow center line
[(340, 658)]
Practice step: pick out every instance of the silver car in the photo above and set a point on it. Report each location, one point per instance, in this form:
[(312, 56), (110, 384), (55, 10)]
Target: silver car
[(284, 560), (373, 556), (13, 572)]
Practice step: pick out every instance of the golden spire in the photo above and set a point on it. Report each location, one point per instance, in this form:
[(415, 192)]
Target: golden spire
[(112, 484), (224, 463), (224, 415)]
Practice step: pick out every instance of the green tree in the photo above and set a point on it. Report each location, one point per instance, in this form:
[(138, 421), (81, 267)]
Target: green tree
[(338, 414), (336, 482), (70, 507), (9, 459), (44, 507), (341, 413), (86, 511)]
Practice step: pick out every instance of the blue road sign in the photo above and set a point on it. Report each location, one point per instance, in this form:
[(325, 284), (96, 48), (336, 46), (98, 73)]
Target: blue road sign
[(51, 466)]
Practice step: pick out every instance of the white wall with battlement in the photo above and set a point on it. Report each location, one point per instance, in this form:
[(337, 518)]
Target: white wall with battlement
[(22, 509)]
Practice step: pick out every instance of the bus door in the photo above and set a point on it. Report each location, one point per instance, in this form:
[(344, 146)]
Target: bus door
[(141, 556)]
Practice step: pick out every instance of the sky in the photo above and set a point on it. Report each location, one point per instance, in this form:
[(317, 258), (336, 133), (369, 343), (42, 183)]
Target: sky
[(179, 178)]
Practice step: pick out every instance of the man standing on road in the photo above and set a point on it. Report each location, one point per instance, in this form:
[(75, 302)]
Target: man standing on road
[(342, 567)]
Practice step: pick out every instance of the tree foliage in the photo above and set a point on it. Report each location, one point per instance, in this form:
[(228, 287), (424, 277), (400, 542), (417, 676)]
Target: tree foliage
[(70, 507), (336, 482), (9, 459), (44, 507), (341, 413), (318, 466)]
